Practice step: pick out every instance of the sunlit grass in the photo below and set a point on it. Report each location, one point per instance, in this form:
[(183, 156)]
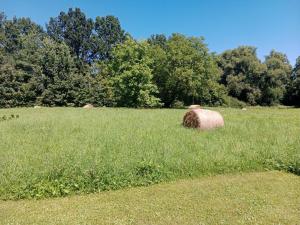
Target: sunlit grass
[(59, 151), (266, 198)]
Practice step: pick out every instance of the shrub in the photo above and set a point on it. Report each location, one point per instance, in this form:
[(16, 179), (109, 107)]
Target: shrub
[(288, 166), (177, 104), (234, 102)]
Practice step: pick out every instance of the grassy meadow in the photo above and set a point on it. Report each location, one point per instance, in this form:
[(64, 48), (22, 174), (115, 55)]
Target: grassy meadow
[(51, 152)]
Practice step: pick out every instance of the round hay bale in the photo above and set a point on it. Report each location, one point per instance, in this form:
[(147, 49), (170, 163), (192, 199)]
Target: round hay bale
[(37, 107), (88, 106), (244, 109), (203, 119), (194, 107)]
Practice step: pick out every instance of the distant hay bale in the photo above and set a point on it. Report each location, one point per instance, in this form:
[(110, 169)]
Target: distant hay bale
[(88, 106), (37, 107), (244, 109), (203, 119), (194, 107)]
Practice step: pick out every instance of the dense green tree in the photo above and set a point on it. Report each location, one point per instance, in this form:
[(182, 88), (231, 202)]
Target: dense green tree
[(242, 73), (294, 98), (88, 40), (109, 33), (41, 70), (9, 84), (94, 90), (2, 19), (158, 40), (80, 61), (21, 74), (2, 31), (293, 90), (14, 30), (275, 79), (296, 69), (63, 86), (57, 67), (185, 71), (132, 76), (76, 31)]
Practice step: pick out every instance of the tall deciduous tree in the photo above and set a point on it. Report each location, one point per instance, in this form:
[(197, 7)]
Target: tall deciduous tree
[(185, 71), (275, 79), (158, 40), (293, 91), (12, 32), (109, 34), (88, 40), (9, 83), (242, 73), (2, 33), (76, 31), (132, 76), (296, 69), (63, 86)]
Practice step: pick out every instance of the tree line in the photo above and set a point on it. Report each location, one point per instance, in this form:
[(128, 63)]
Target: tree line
[(77, 60)]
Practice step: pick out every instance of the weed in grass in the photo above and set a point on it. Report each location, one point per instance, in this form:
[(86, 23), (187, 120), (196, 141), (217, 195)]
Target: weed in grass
[(291, 166), (10, 117)]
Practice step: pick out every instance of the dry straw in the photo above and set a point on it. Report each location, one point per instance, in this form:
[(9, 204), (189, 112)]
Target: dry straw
[(203, 119), (88, 106), (194, 107)]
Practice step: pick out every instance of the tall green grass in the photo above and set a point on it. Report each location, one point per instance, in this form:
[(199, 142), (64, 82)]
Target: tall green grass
[(52, 152)]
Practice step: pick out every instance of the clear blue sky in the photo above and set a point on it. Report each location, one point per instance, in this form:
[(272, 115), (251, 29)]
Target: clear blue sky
[(225, 24)]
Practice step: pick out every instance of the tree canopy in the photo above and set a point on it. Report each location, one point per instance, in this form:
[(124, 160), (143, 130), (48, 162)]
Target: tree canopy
[(132, 76), (88, 40), (79, 60)]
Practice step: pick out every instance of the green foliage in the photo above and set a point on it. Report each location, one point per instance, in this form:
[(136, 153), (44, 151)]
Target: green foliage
[(75, 30), (43, 71), (251, 81), (10, 117), (2, 33), (293, 90), (9, 84), (242, 73), (88, 40), (57, 67), (97, 91), (80, 61), (18, 83), (177, 104), (185, 71), (158, 40), (233, 102), (132, 76), (275, 79), (19, 74), (292, 166), (13, 32), (109, 34), (294, 97)]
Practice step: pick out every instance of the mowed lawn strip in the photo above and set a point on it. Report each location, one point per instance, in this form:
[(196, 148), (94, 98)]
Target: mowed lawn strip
[(51, 152), (250, 198)]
